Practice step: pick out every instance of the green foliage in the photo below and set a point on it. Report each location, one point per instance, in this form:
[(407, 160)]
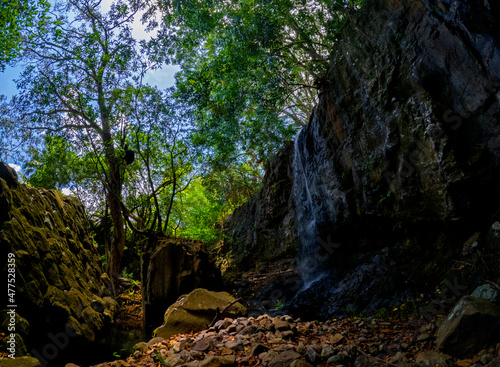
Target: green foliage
[(15, 17), (235, 183), (197, 213), (250, 68), (160, 358), (381, 313), (278, 305), (352, 312), (52, 167)]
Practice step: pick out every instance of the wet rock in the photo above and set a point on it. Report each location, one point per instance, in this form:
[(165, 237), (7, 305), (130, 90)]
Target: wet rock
[(472, 324), (195, 311), (487, 292), (379, 187)]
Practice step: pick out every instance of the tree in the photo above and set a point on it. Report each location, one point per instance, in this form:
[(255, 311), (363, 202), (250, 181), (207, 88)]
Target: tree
[(16, 16), (52, 167), (251, 68), (163, 168), (81, 75)]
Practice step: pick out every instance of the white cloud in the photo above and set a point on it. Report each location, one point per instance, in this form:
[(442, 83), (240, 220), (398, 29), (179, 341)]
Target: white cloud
[(67, 191), (15, 166), (162, 78)]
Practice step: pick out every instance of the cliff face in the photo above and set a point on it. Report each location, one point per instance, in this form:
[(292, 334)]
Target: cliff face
[(60, 288), (263, 230), (399, 165)]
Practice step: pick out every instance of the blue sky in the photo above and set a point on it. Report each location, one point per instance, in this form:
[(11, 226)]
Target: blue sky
[(162, 78)]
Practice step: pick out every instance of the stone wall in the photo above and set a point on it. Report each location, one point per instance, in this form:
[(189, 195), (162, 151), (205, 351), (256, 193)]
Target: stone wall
[(61, 293)]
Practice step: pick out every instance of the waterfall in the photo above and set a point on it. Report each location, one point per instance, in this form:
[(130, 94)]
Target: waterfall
[(309, 261)]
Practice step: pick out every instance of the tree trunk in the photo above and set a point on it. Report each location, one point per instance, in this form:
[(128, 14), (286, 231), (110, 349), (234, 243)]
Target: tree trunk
[(114, 252), (115, 247)]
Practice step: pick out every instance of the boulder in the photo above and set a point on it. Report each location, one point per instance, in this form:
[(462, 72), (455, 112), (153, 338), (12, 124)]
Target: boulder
[(172, 268), (195, 311), (472, 324)]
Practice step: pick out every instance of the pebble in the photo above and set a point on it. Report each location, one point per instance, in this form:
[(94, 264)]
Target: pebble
[(257, 349), (311, 355), (326, 351), (234, 345), (284, 359), (423, 336), (154, 341), (142, 347)]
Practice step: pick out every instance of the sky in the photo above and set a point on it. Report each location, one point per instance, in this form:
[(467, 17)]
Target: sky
[(162, 78)]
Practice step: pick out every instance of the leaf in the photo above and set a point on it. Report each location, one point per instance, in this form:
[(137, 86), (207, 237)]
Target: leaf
[(467, 362)]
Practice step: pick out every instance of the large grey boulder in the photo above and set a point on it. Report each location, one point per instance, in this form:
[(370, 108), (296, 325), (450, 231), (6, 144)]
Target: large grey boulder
[(195, 311), (473, 324)]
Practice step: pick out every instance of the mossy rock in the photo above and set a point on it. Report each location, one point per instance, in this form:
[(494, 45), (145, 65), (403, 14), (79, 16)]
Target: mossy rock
[(20, 362)]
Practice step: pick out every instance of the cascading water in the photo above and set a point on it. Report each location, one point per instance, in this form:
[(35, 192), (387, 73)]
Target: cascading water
[(309, 262)]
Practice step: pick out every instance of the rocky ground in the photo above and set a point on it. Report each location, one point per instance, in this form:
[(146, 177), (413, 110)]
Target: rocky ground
[(283, 341), (396, 337)]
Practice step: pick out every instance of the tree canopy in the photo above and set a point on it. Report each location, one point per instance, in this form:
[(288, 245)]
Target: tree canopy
[(250, 68), (15, 17)]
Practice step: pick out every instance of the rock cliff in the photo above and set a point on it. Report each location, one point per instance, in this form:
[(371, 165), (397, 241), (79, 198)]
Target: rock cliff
[(395, 177), (61, 293)]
